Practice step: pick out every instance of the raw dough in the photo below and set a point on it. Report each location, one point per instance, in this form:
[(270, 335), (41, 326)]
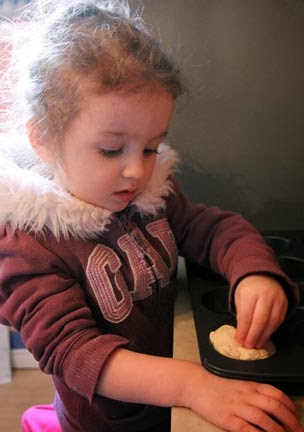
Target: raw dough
[(224, 342)]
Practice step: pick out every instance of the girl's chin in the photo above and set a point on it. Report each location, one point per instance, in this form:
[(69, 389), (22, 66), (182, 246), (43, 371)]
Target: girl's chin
[(114, 205), (114, 208)]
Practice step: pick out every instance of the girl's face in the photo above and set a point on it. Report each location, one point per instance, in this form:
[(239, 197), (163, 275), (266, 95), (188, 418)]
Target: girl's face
[(109, 150)]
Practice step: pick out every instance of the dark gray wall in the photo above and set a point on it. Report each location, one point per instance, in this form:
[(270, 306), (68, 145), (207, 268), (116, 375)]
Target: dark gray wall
[(241, 135)]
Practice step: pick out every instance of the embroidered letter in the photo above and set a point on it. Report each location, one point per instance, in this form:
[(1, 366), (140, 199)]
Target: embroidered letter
[(112, 294), (143, 275), (161, 230)]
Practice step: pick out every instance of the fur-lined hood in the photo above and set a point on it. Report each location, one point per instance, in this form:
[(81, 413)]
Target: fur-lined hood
[(31, 200)]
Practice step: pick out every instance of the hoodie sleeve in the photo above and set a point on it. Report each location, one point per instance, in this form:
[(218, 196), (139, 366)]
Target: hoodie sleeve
[(47, 306), (223, 241)]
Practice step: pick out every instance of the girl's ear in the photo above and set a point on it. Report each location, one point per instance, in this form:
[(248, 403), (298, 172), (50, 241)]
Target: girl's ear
[(35, 137)]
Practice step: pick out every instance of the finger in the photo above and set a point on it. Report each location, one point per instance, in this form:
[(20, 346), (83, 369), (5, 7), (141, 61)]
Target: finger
[(273, 392), (283, 416), (237, 424), (259, 420), (279, 408), (244, 321), (258, 326), (259, 333), (276, 318), (268, 414), (264, 337)]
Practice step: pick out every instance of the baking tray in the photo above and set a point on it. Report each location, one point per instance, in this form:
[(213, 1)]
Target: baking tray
[(209, 298)]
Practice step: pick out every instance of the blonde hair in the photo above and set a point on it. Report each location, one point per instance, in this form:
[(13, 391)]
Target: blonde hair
[(78, 48)]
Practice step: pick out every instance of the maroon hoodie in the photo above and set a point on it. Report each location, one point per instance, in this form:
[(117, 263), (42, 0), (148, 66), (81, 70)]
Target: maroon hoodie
[(78, 281)]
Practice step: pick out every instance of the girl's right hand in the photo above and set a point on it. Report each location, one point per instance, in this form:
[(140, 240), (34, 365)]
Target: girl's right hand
[(243, 406)]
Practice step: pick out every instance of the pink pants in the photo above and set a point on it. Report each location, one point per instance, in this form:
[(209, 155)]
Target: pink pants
[(40, 418)]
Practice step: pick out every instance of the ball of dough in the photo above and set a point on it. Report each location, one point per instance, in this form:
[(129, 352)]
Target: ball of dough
[(224, 342)]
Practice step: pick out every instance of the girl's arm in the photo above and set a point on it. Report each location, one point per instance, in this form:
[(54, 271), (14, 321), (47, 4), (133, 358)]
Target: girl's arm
[(230, 404)]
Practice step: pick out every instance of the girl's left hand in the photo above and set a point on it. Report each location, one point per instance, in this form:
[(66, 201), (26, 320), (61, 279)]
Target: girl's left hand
[(261, 306)]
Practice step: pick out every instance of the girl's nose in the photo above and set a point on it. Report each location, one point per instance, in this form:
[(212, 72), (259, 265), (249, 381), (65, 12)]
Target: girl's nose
[(134, 167)]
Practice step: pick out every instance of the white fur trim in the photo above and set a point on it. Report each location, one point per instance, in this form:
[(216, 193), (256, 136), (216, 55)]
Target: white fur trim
[(159, 186), (33, 202)]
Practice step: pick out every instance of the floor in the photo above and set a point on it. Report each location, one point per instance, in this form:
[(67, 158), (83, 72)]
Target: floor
[(28, 387)]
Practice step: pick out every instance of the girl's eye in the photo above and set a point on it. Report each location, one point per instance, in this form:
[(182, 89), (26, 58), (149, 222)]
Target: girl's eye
[(117, 152), (110, 153), (151, 151)]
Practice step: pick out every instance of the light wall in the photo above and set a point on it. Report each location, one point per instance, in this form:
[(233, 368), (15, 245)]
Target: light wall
[(241, 135)]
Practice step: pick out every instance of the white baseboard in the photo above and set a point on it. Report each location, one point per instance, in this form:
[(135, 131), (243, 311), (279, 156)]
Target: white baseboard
[(5, 364), (22, 359)]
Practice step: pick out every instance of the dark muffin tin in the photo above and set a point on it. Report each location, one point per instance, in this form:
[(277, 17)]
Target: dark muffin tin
[(209, 298)]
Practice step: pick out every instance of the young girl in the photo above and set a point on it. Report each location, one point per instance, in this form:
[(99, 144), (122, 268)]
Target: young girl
[(92, 222)]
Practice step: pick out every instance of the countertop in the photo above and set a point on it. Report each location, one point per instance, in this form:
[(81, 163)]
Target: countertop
[(186, 347)]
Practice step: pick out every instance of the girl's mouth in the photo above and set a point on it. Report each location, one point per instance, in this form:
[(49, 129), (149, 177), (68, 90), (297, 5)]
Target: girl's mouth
[(125, 196)]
